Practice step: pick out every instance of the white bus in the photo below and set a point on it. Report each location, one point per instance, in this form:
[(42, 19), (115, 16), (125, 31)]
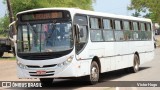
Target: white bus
[(68, 42)]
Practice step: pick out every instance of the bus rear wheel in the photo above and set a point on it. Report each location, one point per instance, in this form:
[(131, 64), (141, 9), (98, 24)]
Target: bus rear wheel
[(46, 81), (94, 73), (136, 63)]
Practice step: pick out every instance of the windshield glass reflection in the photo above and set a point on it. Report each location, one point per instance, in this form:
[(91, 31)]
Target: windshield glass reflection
[(46, 37)]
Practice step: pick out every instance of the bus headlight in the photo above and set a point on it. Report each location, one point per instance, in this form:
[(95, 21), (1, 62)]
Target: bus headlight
[(21, 65), (68, 61)]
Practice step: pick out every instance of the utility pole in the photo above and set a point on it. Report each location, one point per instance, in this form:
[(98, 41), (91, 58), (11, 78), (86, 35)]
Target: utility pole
[(11, 16)]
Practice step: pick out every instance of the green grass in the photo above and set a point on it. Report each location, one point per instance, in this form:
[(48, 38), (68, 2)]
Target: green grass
[(8, 58), (2, 36)]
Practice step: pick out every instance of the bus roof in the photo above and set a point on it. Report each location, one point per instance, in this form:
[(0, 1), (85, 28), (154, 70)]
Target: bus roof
[(87, 12)]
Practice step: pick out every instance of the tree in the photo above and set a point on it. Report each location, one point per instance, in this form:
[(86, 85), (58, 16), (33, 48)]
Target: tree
[(136, 14), (4, 25), (150, 7), (21, 5)]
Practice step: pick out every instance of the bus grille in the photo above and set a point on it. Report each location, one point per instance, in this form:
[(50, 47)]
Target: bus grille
[(45, 66)]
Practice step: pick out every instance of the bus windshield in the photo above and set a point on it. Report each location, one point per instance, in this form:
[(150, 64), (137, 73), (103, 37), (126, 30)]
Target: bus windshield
[(44, 37)]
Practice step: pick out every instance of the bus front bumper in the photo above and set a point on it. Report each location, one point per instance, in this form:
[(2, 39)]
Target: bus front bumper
[(74, 69)]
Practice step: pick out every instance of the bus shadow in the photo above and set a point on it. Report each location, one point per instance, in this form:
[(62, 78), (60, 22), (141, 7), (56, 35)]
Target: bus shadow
[(107, 79), (70, 84), (118, 74), (143, 68)]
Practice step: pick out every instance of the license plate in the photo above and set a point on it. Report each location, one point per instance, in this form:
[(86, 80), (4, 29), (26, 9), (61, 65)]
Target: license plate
[(41, 72)]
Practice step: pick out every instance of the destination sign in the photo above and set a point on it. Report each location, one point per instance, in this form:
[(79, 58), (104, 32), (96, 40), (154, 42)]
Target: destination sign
[(41, 16)]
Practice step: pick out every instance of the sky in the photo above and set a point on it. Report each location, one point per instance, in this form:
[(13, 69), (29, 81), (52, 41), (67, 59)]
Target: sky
[(107, 6), (112, 6), (2, 9)]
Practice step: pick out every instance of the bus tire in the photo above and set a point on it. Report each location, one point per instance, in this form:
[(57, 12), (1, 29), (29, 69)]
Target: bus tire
[(46, 81), (94, 73), (136, 64), (1, 54)]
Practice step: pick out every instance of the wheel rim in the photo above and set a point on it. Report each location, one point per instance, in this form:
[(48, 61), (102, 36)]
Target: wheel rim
[(94, 73)]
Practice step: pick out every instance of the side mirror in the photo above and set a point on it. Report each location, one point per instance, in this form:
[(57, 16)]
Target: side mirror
[(77, 29), (81, 32)]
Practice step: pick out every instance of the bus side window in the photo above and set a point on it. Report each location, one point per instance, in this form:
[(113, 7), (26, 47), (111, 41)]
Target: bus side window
[(143, 31), (119, 35), (149, 32), (94, 23), (108, 30), (81, 21), (96, 32), (83, 34), (136, 31), (128, 30)]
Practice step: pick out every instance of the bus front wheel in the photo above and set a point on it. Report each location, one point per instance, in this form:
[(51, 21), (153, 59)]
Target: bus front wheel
[(94, 73), (46, 81)]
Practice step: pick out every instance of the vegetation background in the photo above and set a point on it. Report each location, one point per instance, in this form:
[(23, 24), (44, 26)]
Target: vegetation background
[(21, 5), (143, 8)]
